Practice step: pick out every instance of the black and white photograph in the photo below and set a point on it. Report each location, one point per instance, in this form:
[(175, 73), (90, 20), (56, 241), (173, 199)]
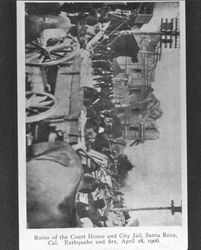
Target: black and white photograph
[(104, 111)]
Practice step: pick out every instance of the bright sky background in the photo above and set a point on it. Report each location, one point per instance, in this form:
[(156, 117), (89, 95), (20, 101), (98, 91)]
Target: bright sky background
[(156, 179)]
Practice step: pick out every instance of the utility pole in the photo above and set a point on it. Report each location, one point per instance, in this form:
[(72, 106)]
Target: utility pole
[(174, 209), (168, 33)]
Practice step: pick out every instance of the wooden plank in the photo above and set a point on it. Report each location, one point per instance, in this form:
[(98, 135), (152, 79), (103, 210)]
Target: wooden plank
[(76, 99), (62, 90)]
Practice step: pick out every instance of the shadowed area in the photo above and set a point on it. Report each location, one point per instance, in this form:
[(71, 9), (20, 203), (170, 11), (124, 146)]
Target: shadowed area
[(52, 179)]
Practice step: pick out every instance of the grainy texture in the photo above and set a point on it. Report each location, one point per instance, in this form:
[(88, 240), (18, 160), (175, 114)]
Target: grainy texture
[(8, 130)]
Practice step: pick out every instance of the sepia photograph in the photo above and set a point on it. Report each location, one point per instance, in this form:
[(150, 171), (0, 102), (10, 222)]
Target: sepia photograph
[(103, 106)]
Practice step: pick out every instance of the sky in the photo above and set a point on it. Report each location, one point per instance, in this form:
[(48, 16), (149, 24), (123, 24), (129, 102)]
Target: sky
[(156, 178)]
